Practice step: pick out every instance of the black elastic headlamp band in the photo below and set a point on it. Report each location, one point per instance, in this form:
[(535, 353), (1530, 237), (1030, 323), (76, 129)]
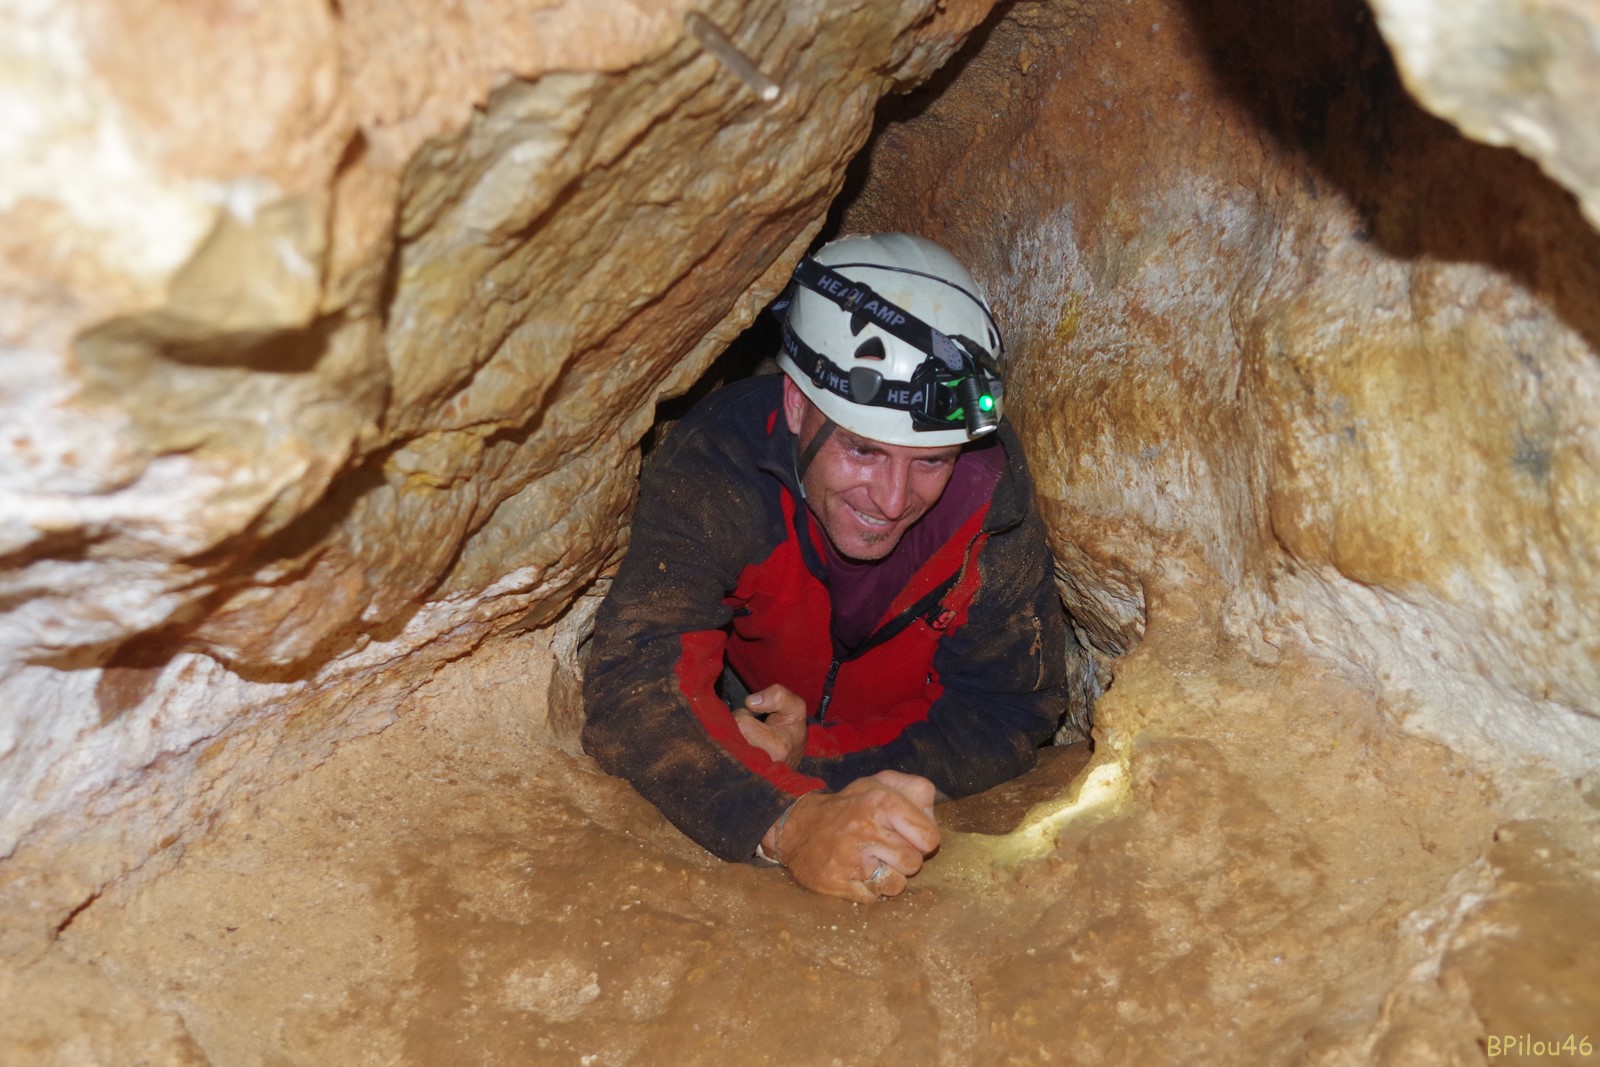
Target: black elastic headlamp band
[(956, 382), (868, 388), (858, 299), (931, 398)]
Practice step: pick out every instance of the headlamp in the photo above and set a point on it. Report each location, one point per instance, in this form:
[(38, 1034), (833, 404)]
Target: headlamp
[(977, 404), (944, 398), (957, 384)]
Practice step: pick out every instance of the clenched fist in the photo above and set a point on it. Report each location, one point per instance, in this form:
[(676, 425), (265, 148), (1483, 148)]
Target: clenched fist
[(862, 842)]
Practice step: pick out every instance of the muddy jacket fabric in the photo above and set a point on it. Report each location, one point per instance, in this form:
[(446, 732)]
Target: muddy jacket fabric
[(960, 684)]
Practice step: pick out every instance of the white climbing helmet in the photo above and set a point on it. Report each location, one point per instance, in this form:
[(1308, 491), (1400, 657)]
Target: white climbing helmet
[(892, 339)]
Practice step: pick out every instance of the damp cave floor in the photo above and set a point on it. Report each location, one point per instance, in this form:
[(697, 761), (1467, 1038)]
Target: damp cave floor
[(1288, 880)]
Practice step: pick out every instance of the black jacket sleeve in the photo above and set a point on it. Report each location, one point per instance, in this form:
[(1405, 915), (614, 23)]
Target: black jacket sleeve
[(703, 514)]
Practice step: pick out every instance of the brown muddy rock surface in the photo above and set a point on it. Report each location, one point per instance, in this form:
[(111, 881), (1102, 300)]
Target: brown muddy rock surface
[(327, 337), (328, 334), (1277, 886), (1286, 342), (1272, 321)]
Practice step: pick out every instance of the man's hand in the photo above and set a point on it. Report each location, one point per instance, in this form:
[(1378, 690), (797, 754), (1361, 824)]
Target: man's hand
[(783, 735), (862, 842)]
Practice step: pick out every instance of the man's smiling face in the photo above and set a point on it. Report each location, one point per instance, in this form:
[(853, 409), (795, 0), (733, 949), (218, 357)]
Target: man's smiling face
[(866, 494)]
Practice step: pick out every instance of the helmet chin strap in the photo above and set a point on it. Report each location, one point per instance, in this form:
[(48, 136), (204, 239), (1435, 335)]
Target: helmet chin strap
[(804, 457)]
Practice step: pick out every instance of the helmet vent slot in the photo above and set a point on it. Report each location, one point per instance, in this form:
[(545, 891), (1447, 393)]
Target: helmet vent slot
[(871, 348)]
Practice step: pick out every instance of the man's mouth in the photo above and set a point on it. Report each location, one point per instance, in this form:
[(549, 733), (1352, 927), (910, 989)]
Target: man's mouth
[(868, 519)]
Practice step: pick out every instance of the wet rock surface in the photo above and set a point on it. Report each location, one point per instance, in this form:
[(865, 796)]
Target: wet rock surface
[(322, 411), (1272, 321), (1280, 887), (314, 381)]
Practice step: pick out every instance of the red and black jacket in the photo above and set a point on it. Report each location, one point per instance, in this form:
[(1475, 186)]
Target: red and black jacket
[(960, 683)]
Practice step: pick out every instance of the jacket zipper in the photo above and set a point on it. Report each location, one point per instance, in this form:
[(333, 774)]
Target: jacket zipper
[(890, 630), (827, 690)]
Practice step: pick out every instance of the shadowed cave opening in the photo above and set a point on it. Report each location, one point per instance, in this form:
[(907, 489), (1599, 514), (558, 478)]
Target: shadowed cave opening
[(1307, 381)]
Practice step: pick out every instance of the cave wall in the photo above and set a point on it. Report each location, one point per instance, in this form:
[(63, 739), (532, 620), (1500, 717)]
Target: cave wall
[(330, 331), (1524, 75), (328, 342), (329, 334), (1285, 341)]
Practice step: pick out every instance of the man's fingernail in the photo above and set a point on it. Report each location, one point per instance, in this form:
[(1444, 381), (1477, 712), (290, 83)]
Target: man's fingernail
[(757, 698)]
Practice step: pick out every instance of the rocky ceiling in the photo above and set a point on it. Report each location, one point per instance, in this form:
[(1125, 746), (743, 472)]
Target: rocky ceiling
[(330, 333)]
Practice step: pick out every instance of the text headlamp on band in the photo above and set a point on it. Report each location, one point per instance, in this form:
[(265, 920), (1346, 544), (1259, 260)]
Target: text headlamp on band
[(958, 382)]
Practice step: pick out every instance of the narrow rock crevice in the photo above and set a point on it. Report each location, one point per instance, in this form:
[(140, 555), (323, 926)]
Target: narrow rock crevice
[(326, 386)]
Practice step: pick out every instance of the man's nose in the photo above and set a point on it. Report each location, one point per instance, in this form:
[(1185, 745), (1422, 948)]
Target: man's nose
[(890, 490)]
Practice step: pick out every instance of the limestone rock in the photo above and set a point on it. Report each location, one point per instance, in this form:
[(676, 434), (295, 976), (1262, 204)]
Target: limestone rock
[(1524, 74), (329, 333), (1277, 331)]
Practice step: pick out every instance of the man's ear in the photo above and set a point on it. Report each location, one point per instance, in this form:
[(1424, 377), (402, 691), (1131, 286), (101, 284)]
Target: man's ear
[(794, 405)]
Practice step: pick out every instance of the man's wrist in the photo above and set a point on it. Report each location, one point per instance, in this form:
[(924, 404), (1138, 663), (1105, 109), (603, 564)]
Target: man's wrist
[(770, 846)]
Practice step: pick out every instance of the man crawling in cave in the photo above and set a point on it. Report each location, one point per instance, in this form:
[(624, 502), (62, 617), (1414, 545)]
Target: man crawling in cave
[(837, 605)]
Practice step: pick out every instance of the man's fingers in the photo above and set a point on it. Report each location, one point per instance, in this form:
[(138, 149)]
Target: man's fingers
[(780, 704), (891, 883), (889, 846), (887, 877), (791, 714), (771, 698), (913, 787), (917, 827), (763, 736), (897, 855), (857, 892), (753, 729), (783, 732), (863, 842), (903, 816), (748, 725)]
